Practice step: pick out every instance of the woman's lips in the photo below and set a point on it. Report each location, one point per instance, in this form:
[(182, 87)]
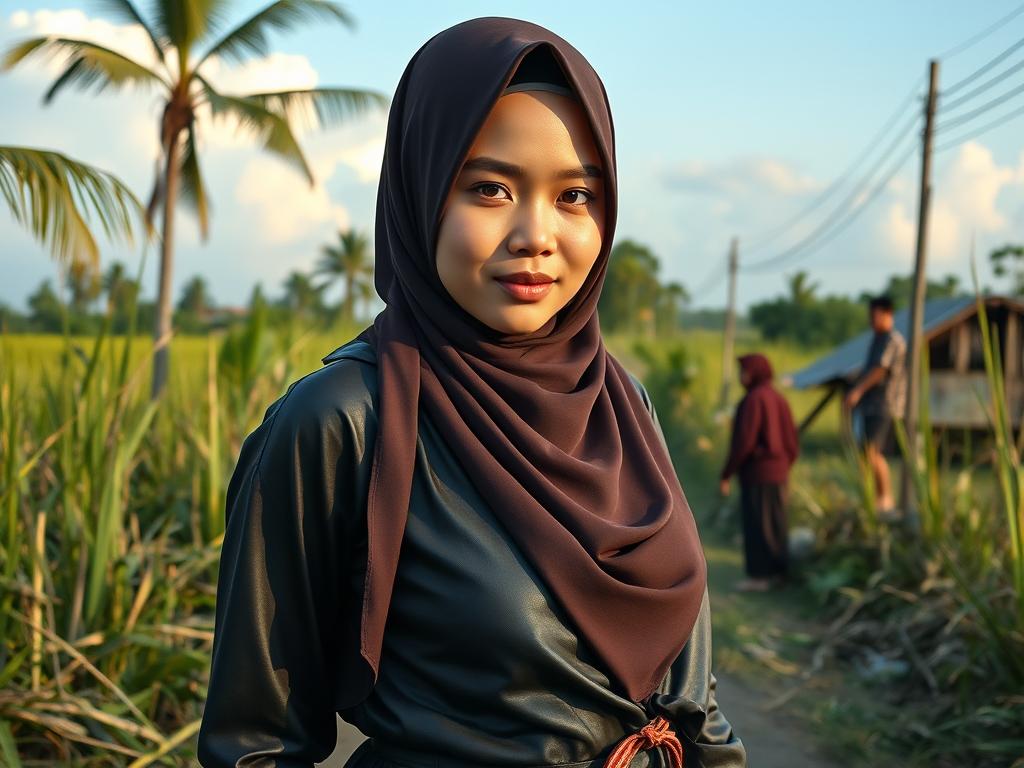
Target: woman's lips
[(526, 286)]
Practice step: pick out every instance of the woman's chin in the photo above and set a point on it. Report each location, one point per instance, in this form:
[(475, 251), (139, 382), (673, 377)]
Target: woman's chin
[(517, 320)]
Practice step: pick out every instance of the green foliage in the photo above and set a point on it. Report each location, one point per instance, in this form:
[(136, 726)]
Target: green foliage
[(633, 293), (900, 289), (823, 321), (195, 307), (47, 312), (811, 320), (1007, 262)]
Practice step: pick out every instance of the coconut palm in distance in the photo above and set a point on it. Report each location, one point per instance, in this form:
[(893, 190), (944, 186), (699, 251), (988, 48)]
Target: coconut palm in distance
[(56, 197), (181, 32), (350, 262)]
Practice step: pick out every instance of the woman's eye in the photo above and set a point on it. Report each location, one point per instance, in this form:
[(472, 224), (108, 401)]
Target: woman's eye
[(492, 191), (576, 197)]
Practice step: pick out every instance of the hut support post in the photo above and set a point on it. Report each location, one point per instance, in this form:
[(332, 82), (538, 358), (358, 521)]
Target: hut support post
[(810, 417)]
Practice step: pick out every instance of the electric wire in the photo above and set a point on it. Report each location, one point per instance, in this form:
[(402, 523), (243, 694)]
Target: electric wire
[(758, 242), (953, 122), (984, 86), (843, 208), (994, 27), (979, 131), (992, 63), (793, 254)]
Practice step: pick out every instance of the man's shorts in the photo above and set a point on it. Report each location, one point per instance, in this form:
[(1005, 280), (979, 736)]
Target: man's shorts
[(876, 427)]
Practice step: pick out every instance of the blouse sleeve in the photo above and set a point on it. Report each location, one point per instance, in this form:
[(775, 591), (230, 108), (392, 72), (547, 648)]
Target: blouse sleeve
[(687, 700), (687, 695), (274, 672)]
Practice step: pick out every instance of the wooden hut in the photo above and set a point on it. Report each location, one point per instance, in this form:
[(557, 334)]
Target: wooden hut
[(959, 393)]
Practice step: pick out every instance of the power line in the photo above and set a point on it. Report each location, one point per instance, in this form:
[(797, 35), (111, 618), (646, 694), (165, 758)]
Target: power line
[(842, 225), (759, 242), (985, 86), (844, 206), (987, 106), (993, 62), (710, 281), (978, 131), (994, 27)]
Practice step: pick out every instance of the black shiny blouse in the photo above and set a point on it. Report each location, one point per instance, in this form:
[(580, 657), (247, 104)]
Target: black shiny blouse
[(479, 667)]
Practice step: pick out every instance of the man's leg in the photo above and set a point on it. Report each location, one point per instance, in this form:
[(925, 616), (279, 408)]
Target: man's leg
[(880, 471)]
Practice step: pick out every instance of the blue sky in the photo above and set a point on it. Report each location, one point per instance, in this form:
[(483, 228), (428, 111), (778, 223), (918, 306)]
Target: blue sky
[(730, 117)]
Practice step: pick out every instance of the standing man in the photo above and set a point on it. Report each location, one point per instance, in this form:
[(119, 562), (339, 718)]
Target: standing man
[(762, 450), (880, 395)]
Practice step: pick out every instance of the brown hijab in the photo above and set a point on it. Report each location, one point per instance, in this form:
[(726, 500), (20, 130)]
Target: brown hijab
[(548, 425)]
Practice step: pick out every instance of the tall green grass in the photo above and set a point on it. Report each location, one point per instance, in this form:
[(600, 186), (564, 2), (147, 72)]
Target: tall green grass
[(111, 522)]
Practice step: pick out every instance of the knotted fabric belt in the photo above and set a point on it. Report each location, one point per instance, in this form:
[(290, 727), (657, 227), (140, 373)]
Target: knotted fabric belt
[(656, 733)]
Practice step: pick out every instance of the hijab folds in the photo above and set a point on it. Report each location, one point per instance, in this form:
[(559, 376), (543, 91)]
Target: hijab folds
[(548, 425)]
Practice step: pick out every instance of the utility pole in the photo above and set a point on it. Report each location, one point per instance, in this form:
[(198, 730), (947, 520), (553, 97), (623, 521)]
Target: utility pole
[(913, 362), (729, 337)]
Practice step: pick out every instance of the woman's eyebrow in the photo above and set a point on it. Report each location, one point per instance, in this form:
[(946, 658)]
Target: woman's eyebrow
[(586, 171)]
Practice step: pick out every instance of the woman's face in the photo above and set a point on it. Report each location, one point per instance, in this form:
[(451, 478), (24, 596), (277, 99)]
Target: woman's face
[(523, 223)]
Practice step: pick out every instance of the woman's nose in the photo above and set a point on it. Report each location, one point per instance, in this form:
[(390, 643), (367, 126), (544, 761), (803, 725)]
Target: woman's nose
[(533, 230)]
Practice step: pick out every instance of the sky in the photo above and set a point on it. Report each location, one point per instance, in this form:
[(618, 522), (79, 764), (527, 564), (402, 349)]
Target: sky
[(731, 118)]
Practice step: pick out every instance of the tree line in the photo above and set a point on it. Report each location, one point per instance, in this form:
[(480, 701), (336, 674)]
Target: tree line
[(87, 298)]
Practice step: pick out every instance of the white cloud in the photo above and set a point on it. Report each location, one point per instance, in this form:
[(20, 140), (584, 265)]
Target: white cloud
[(364, 156), (128, 39), (740, 177), (965, 206), (286, 207)]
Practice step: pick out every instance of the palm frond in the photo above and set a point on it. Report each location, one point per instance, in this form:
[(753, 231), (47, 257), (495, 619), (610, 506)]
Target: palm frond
[(193, 189), (88, 64), (250, 37), (324, 107), (271, 129), (55, 197), (186, 22), (21, 51), (126, 10)]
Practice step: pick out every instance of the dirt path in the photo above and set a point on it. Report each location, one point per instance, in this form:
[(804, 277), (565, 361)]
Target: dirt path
[(772, 740)]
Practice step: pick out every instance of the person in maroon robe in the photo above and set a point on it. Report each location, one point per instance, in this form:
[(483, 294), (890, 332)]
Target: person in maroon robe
[(764, 446)]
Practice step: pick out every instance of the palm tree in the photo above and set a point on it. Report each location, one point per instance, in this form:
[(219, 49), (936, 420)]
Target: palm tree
[(301, 295), (801, 290), (350, 261), (178, 29), (367, 293), (84, 285), (195, 297), (122, 296), (671, 300), (56, 197)]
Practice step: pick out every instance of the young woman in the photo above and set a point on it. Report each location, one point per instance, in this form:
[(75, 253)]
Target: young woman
[(464, 533)]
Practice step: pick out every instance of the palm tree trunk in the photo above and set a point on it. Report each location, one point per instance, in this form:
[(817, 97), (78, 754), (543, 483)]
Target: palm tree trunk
[(350, 299), (162, 329)]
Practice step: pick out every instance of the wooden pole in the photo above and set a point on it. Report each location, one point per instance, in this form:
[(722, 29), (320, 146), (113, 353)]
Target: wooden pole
[(729, 337), (913, 362)]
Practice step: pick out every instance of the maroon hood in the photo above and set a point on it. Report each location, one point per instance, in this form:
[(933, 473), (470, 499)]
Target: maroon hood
[(757, 368)]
